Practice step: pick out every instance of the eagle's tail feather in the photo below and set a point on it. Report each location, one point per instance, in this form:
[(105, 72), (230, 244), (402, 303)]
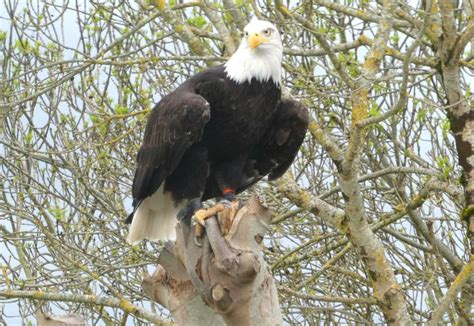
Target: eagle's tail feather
[(155, 218)]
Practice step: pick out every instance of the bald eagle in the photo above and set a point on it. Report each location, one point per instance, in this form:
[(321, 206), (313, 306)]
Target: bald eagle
[(215, 135)]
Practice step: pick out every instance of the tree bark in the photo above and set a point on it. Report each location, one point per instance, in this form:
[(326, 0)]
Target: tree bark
[(461, 118), (225, 281)]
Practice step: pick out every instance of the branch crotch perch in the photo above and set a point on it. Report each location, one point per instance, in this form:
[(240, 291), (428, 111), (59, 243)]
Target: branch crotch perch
[(226, 281)]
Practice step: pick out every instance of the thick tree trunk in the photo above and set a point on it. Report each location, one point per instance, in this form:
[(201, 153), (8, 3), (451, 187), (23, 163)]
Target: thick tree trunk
[(226, 281), (461, 118)]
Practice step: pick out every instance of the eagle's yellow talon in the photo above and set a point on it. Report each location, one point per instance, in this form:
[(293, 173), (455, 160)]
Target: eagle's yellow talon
[(202, 215)]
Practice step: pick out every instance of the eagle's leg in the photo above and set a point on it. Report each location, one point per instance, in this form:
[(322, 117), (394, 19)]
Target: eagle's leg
[(201, 216), (228, 176), (185, 215), (228, 196)]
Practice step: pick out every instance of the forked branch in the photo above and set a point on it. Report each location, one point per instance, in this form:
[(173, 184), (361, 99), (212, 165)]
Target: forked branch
[(224, 281)]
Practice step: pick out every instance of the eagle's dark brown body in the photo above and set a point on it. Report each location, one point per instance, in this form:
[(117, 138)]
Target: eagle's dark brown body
[(213, 134)]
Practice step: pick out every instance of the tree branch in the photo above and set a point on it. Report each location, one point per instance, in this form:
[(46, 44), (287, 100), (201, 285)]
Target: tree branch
[(124, 305), (462, 278), (229, 265)]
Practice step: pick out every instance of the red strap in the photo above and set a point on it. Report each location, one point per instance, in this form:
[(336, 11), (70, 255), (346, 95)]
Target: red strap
[(228, 191)]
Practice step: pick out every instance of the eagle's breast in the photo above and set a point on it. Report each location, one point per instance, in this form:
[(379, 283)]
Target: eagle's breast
[(240, 115)]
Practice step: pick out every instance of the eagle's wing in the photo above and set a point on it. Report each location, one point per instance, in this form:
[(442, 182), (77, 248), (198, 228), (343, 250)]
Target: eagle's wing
[(174, 125), (282, 141), (286, 136), (276, 150)]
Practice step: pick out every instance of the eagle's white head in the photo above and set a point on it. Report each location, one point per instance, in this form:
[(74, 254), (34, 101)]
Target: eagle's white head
[(259, 54)]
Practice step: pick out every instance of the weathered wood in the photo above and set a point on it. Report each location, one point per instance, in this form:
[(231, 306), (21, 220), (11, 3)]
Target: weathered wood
[(57, 320), (226, 281)]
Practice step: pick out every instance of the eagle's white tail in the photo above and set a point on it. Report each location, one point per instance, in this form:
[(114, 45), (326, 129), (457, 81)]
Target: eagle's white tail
[(155, 219)]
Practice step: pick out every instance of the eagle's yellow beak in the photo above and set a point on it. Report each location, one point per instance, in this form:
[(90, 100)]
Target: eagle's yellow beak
[(255, 40)]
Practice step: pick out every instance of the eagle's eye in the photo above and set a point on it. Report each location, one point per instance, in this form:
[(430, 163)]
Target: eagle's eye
[(246, 34), (267, 32)]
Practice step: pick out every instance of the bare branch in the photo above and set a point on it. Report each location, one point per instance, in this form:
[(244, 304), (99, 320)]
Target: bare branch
[(86, 299), (462, 278)]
